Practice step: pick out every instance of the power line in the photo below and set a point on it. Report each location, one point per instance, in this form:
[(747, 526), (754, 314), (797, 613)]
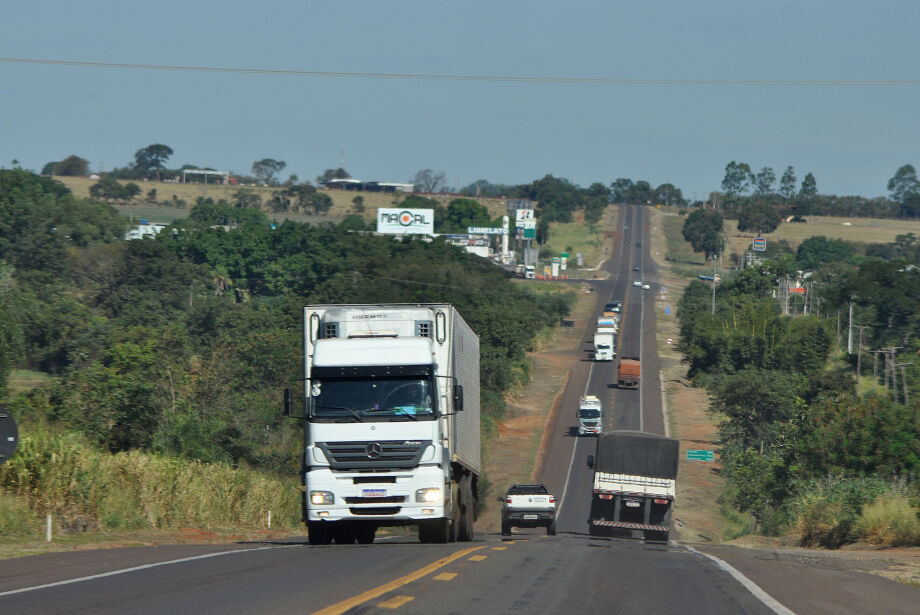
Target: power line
[(484, 78)]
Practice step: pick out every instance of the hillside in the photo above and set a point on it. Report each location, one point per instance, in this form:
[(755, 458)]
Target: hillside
[(341, 199)]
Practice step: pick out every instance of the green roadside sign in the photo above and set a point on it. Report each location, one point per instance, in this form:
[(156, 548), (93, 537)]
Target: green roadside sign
[(698, 455)]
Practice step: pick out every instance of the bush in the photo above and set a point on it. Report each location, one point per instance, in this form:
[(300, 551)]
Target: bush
[(825, 512), (15, 517), (890, 520)]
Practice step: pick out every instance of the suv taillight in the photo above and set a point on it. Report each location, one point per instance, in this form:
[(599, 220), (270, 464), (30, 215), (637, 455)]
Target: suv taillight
[(508, 500)]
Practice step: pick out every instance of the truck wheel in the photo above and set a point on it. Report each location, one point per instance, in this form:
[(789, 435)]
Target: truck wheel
[(467, 511), (551, 528), (435, 530), (365, 533), (506, 528), (343, 534), (319, 533)]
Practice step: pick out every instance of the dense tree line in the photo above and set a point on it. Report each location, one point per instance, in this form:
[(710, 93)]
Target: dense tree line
[(182, 344), (787, 419)]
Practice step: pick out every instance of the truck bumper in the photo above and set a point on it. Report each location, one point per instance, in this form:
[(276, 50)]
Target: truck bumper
[(518, 519), (386, 503)]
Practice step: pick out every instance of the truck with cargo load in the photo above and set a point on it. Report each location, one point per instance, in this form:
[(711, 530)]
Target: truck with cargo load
[(590, 416), (628, 373), (605, 339), (634, 485), (391, 414)]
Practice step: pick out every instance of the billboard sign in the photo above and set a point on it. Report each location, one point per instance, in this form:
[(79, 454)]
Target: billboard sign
[(760, 244), (523, 214), (485, 230), (405, 221)]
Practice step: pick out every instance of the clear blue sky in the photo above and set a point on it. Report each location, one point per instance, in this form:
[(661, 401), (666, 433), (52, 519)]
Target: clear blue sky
[(852, 138)]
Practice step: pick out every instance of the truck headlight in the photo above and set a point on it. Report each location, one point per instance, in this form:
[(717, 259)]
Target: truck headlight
[(322, 497), (431, 495)]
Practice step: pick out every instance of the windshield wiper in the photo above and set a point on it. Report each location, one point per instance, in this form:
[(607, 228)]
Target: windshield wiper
[(348, 410), (401, 411)]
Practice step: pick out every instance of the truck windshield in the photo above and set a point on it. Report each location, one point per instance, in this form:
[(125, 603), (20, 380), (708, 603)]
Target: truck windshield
[(373, 399), (588, 413)]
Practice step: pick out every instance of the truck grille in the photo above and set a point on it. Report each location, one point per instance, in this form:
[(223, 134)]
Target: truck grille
[(373, 455), (390, 499), (377, 510)]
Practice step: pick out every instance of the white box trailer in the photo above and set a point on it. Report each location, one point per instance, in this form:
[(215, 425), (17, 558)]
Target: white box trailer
[(392, 421)]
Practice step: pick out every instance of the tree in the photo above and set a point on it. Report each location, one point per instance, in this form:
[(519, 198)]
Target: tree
[(703, 230), (427, 180), (809, 187), (152, 158), (905, 189), (266, 169), (49, 167), (330, 174), (461, 214), (621, 188), (787, 184), (641, 193), (110, 188), (72, 166), (759, 217), (737, 179), (763, 181), (357, 205), (668, 194)]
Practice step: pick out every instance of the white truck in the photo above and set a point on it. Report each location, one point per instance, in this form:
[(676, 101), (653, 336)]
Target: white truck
[(605, 339), (635, 481), (590, 416), (391, 412), (528, 506)]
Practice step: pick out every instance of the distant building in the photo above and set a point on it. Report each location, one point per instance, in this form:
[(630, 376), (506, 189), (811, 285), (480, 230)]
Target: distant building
[(363, 186), (145, 229)]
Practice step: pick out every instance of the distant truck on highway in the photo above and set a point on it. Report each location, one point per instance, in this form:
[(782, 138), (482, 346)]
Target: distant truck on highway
[(605, 338), (635, 481), (391, 422), (528, 506), (628, 373), (590, 416)]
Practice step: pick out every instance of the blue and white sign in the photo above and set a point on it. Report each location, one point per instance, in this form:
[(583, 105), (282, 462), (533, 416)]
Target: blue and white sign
[(405, 221)]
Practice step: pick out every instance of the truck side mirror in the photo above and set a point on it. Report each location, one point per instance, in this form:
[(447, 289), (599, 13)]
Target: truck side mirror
[(458, 397), (287, 402), (500, 499), (591, 461)]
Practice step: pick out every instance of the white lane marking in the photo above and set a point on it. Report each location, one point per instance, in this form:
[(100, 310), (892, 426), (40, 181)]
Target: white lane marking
[(664, 406), (133, 569), (752, 587)]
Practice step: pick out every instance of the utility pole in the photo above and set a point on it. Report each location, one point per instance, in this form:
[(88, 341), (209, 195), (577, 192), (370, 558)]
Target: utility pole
[(713, 284), (850, 333), (903, 379), (859, 354)]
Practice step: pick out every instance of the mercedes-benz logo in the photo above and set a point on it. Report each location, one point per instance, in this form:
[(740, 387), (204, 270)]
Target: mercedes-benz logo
[(373, 450)]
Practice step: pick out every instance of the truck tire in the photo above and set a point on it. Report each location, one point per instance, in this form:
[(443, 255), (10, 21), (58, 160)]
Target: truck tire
[(506, 528), (434, 531), (319, 533), (467, 511), (551, 528), (365, 533), (343, 534)]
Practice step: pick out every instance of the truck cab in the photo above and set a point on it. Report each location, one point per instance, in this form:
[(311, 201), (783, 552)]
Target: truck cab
[(530, 272), (590, 416)]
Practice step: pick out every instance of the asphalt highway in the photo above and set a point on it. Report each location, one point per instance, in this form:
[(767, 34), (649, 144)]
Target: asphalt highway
[(532, 573)]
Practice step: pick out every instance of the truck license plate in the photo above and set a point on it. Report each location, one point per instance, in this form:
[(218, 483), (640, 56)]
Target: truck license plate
[(531, 517), (374, 493)]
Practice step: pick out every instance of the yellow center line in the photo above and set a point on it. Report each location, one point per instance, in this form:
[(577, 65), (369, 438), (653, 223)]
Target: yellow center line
[(499, 548), (444, 576), (478, 558), (396, 601), (348, 603)]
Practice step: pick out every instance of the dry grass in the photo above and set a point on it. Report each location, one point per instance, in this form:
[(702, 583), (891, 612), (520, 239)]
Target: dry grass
[(88, 489), (867, 230), (891, 521), (341, 199)]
